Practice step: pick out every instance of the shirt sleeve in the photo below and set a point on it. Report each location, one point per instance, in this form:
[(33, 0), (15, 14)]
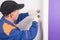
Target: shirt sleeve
[(21, 17), (16, 34), (31, 34)]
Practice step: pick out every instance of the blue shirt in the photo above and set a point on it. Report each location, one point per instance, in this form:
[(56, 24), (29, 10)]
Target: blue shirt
[(9, 31)]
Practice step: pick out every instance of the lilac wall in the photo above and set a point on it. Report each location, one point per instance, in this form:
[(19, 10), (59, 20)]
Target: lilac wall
[(54, 20)]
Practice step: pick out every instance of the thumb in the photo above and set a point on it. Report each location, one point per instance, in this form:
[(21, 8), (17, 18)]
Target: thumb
[(36, 19)]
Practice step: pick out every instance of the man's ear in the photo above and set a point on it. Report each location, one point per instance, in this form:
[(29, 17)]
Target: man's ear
[(11, 15)]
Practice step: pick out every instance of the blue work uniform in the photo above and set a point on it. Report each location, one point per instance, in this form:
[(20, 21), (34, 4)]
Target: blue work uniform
[(9, 31)]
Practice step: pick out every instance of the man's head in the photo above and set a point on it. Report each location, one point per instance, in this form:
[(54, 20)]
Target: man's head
[(11, 9), (13, 15)]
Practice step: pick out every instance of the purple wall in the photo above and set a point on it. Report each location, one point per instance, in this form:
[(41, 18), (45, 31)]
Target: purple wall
[(54, 20)]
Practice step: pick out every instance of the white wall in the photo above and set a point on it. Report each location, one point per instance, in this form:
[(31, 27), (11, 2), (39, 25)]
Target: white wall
[(0, 5)]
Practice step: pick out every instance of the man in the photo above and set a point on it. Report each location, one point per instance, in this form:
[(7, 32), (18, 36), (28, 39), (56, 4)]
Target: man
[(11, 16)]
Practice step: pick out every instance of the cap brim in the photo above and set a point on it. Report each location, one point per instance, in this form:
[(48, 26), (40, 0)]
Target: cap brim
[(20, 6)]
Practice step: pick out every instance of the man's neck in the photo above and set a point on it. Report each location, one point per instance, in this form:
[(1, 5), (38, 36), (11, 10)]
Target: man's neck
[(9, 19)]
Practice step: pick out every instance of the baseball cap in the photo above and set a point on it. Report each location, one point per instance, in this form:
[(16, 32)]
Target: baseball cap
[(10, 6)]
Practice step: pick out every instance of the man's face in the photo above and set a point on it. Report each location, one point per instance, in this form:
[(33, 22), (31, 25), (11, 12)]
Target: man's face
[(15, 14)]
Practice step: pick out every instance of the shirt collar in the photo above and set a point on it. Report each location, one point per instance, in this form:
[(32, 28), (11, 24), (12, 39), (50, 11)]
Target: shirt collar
[(7, 21)]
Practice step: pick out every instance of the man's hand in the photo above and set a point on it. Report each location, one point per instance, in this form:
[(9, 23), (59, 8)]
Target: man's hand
[(36, 19), (35, 14)]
